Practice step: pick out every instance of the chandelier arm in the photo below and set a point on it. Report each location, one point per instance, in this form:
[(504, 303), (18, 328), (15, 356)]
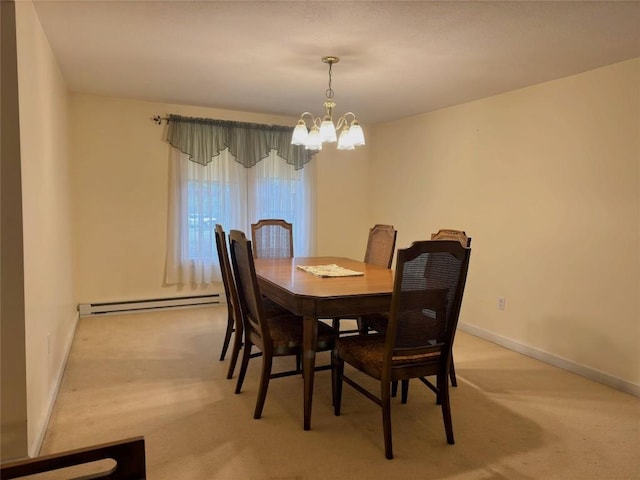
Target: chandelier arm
[(314, 120), (343, 120)]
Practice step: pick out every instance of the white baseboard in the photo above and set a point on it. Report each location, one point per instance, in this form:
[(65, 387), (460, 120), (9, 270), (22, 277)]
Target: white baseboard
[(36, 445), (582, 370)]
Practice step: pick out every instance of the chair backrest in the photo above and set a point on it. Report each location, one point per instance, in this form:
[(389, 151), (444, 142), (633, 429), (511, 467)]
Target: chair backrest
[(230, 290), (249, 295), (449, 234), (428, 288), (381, 245), (272, 238)]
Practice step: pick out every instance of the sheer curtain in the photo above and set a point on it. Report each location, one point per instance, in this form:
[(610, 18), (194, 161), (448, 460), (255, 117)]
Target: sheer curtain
[(224, 191), (278, 190), (199, 197)]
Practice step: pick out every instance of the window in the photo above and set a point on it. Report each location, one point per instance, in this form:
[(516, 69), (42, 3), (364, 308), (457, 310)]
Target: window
[(227, 193)]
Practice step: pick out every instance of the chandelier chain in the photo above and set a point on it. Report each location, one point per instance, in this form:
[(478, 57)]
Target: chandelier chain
[(329, 92)]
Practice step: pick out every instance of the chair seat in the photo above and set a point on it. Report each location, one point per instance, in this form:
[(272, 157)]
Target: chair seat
[(378, 322), (366, 353), (286, 335)]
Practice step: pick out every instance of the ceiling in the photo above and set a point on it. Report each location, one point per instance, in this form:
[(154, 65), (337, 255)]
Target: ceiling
[(397, 58)]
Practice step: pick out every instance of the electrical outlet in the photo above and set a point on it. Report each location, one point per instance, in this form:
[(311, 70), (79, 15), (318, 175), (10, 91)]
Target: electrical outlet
[(500, 303)]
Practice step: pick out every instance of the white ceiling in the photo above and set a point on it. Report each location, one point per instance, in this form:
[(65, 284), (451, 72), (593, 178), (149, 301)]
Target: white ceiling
[(397, 58)]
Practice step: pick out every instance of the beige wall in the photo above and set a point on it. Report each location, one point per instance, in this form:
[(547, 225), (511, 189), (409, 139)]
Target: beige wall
[(120, 195), (343, 194), (50, 308), (545, 179)]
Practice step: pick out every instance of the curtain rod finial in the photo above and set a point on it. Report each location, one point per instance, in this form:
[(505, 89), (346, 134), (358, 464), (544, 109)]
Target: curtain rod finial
[(157, 119)]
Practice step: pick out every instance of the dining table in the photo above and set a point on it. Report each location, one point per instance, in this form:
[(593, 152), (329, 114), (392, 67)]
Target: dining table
[(367, 289)]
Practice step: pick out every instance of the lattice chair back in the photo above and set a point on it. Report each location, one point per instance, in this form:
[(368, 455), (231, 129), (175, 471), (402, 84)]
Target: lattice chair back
[(272, 238), (381, 245)]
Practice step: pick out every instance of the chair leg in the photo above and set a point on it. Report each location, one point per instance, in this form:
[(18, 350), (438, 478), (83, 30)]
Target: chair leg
[(227, 336), (386, 418), (440, 388), (337, 370), (336, 324), (235, 351), (333, 381), (446, 408), (363, 328), (246, 355), (405, 391), (452, 373), (265, 376)]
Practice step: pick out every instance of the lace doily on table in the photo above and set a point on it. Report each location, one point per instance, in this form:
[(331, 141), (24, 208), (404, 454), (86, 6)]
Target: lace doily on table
[(332, 270)]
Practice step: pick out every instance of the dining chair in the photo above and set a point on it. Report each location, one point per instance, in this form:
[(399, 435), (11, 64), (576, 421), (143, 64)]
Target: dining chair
[(272, 238), (379, 322), (275, 336), (427, 294), (234, 324), (381, 245), (117, 460), (234, 317)]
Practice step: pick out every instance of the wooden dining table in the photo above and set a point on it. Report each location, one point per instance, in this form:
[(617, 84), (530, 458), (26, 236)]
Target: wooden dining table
[(314, 298)]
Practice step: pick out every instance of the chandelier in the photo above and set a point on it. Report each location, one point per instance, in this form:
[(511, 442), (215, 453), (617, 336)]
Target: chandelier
[(323, 130)]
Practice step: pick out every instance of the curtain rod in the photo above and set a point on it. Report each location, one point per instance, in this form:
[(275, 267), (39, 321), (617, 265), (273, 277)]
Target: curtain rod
[(157, 119)]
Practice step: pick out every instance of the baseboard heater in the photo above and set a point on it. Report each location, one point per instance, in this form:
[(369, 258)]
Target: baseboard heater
[(87, 309)]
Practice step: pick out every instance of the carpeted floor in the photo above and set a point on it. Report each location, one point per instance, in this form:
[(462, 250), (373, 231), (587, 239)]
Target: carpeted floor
[(158, 375)]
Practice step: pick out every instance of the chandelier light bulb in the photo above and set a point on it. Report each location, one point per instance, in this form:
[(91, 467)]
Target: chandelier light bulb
[(355, 134), (314, 141), (344, 142), (328, 130), (300, 134)]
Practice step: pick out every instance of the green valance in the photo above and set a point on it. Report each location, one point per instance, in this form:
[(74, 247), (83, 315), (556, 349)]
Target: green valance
[(204, 138)]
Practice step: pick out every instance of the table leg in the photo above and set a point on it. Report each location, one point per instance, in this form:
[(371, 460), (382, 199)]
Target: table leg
[(310, 336)]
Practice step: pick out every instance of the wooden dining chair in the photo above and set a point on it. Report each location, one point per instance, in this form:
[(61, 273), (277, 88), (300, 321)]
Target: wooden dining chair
[(379, 322), (427, 294), (275, 336), (381, 245), (272, 238), (234, 323), (234, 317), (127, 463)]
